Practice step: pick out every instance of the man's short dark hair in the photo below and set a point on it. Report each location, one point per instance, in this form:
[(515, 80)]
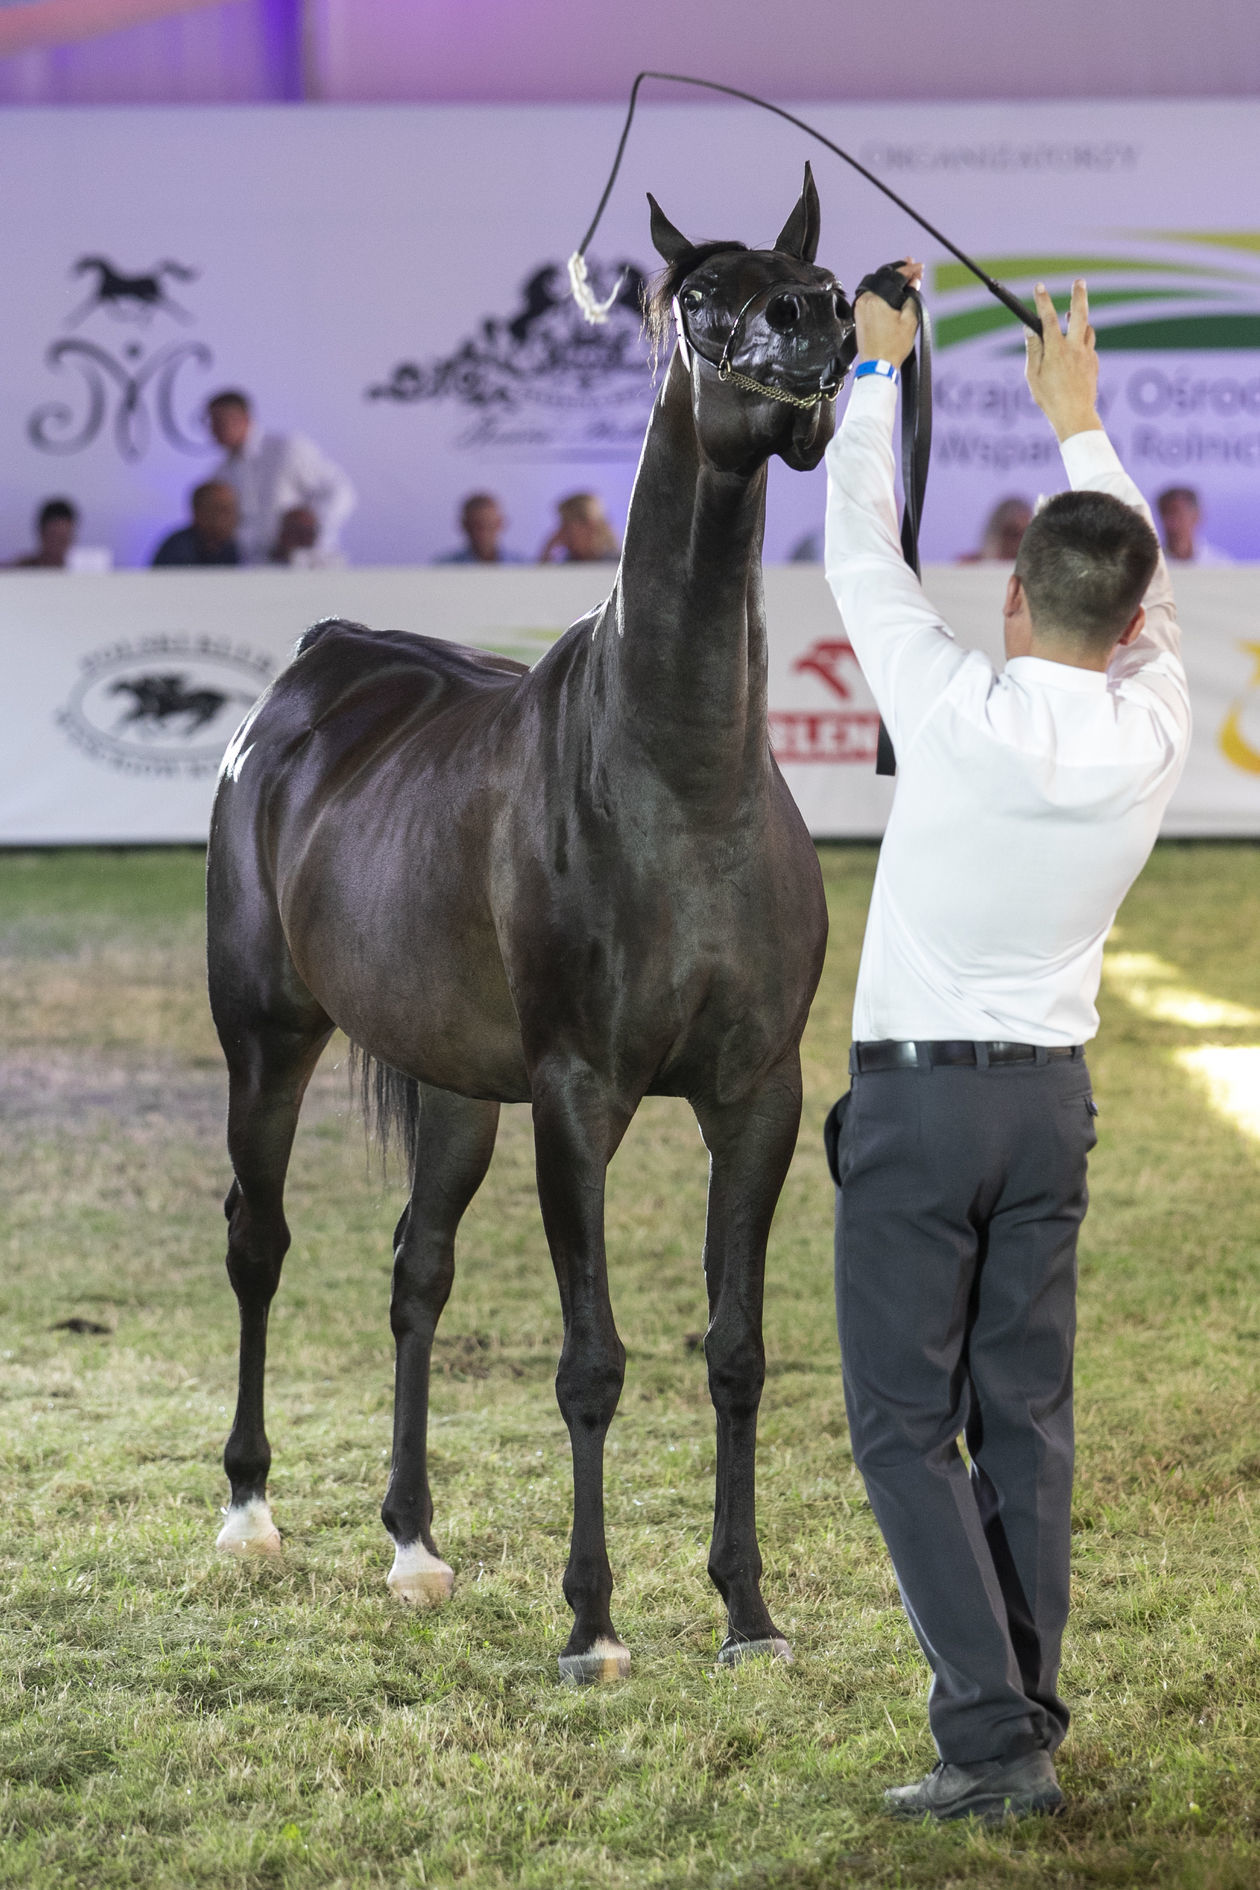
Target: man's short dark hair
[(1085, 562), (1172, 494), (229, 397), (53, 509)]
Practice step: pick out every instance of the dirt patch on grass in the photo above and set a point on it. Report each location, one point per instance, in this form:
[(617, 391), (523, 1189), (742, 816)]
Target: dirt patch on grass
[(140, 1094)]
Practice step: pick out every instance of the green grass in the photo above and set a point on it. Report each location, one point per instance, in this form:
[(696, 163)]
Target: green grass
[(172, 1718)]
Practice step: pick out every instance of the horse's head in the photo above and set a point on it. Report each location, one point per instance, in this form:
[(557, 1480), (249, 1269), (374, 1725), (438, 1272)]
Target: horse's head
[(765, 335)]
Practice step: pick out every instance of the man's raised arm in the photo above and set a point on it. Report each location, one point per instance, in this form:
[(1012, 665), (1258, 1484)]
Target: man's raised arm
[(907, 654), (1062, 375)]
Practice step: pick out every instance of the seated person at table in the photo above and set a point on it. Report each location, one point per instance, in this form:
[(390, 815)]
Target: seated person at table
[(583, 534), (482, 522), (211, 537), (56, 523), (1003, 531), (1179, 519)]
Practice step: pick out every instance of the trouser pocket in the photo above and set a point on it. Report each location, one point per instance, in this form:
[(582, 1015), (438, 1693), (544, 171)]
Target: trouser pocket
[(832, 1129)]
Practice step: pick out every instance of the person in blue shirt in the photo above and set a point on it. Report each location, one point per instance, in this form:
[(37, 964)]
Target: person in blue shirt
[(211, 537)]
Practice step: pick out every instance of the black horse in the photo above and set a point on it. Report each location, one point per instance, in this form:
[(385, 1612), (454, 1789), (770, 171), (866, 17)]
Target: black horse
[(157, 700), (571, 886), (132, 297)]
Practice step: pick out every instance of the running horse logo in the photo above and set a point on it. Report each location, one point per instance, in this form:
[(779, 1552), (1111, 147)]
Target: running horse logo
[(159, 700), (829, 660), (132, 298)]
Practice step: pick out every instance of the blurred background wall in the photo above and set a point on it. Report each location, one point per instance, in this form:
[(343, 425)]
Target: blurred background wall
[(484, 51)]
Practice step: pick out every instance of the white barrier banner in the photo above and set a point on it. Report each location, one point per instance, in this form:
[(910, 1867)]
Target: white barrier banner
[(121, 692), (391, 281)]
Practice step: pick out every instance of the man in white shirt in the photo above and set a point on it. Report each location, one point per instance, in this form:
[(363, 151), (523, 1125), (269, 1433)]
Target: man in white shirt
[(1026, 805), (274, 473)]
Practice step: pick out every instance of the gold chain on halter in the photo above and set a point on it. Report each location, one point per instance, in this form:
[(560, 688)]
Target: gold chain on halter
[(727, 373)]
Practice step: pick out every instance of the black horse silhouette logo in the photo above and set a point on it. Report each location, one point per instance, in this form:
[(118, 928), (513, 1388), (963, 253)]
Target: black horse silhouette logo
[(131, 298), (159, 700)]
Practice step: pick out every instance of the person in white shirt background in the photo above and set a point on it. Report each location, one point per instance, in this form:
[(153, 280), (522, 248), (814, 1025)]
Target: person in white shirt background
[(1026, 804), (274, 473), (1180, 515)]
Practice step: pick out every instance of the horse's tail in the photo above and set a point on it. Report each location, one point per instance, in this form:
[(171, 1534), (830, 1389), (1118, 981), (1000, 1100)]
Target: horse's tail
[(391, 1104)]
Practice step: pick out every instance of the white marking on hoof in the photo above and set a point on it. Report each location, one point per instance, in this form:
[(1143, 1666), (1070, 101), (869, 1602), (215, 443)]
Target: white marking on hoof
[(732, 1653), (249, 1530), (606, 1660), (418, 1578)]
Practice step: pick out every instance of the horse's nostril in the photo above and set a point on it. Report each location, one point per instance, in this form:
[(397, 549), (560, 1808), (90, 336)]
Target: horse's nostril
[(783, 313)]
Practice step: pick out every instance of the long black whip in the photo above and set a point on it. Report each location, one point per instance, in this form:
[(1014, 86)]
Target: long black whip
[(577, 262)]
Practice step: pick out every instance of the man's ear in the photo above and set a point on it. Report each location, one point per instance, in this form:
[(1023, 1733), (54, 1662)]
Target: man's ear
[(1014, 601), (1133, 629)]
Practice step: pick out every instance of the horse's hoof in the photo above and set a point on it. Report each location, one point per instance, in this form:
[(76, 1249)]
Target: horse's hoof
[(772, 1647), (249, 1530), (607, 1660), (420, 1579)]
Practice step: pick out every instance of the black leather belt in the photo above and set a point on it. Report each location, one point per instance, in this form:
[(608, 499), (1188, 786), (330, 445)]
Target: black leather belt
[(890, 1054)]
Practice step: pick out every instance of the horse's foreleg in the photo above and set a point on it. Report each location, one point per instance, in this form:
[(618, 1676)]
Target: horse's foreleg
[(455, 1146), (575, 1133), (750, 1145), (268, 1069)]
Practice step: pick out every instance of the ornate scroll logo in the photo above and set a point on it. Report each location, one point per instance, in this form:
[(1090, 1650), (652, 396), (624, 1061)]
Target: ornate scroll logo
[(542, 378), (138, 391)]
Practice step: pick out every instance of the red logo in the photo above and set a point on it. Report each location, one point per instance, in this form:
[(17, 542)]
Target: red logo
[(836, 736)]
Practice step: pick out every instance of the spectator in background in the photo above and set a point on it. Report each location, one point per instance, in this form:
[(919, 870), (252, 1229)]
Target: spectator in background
[(56, 523), (297, 543), (482, 522), (583, 534), (271, 474), (211, 537), (1003, 530), (1178, 509)]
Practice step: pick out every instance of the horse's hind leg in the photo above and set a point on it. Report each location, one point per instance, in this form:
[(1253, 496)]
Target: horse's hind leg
[(270, 1058), (455, 1142)]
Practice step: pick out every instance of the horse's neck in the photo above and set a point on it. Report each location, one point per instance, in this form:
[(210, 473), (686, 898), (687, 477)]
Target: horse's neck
[(686, 632)]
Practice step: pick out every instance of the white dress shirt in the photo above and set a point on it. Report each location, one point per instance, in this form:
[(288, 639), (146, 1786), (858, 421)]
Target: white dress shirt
[(271, 473), (1026, 802)]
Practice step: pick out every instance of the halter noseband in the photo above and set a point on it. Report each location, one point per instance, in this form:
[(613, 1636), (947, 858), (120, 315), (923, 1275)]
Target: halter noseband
[(727, 372)]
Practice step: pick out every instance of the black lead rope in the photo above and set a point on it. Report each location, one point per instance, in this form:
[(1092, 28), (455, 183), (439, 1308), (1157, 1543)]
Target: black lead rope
[(888, 282), (916, 439)]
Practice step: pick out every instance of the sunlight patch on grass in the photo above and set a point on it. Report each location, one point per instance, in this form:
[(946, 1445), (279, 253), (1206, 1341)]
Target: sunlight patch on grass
[(1230, 1073), (1155, 989)]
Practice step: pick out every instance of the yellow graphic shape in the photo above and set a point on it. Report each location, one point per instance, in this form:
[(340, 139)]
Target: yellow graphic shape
[(1230, 1075), (1153, 988), (1232, 742)]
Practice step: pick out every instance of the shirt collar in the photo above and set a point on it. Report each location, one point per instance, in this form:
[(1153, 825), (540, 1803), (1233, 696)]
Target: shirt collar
[(1037, 673)]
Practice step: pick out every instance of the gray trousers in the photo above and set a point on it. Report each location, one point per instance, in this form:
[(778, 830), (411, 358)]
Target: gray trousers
[(962, 1192)]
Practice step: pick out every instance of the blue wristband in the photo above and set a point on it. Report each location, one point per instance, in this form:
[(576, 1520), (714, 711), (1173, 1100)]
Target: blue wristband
[(885, 370)]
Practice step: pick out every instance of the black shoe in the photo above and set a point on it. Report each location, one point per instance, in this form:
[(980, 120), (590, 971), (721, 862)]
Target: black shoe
[(993, 1789)]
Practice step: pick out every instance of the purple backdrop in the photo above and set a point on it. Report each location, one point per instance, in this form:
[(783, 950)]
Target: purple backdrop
[(541, 50)]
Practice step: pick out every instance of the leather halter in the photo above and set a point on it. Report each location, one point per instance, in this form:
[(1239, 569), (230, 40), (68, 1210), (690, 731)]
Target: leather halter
[(726, 371)]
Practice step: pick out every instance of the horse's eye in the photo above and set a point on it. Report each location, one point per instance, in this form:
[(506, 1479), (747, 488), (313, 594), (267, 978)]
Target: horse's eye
[(692, 298)]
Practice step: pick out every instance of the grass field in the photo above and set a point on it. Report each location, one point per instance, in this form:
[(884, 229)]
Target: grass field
[(173, 1718)]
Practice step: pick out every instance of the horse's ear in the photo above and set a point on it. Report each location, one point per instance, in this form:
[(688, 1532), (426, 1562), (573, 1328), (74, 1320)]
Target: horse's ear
[(799, 235), (668, 242)]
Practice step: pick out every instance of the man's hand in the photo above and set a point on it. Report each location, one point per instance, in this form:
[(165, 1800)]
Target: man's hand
[(1062, 370), (883, 333)]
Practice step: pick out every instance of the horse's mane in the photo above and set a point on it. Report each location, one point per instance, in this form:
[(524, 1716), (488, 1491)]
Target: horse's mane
[(658, 300)]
